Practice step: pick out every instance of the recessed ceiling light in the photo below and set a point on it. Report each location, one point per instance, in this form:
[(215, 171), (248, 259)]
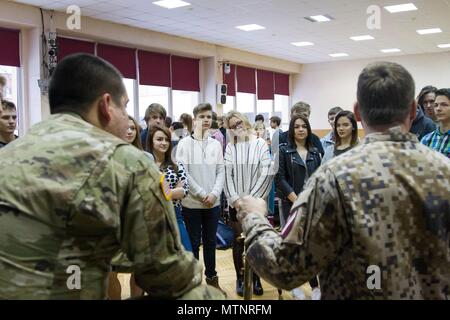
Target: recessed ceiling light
[(401, 8), (319, 18), (390, 50), (338, 55), (361, 38), (171, 4), (250, 27), (429, 31), (302, 44), (444, 46)]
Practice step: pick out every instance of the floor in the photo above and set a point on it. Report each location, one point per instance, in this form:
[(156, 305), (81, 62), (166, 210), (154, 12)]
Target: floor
[(227, 280)]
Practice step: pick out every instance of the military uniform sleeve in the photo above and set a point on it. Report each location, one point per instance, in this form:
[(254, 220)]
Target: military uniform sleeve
[(150, 236), (309, 242)]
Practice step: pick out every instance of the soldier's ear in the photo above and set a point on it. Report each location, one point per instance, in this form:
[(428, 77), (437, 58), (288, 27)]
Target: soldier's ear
[(104, 108), (413, 111), (357, 112)]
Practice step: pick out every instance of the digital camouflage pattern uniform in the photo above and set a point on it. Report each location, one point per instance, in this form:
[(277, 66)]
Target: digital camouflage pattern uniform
[(72, 194), (384, 203)]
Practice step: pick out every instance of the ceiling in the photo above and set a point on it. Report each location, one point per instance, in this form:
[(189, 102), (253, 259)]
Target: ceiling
[(214, 21)]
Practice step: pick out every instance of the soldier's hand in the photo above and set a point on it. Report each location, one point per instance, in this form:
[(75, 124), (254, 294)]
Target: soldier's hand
[(252, 205)]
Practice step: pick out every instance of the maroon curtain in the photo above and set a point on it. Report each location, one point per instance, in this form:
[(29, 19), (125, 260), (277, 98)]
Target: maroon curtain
[(122, 58), (229, 80), (281, 84), (246, 81), (68, 46), (185, 74), (154, 69), (265, 85), (10, 49)]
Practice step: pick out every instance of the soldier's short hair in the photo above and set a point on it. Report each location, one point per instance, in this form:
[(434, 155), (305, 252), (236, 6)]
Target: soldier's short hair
[(443, 92), (80, 79), (385, 93), (8, 105), (334, 111), (155, 108), (202, 107), (301, 108)]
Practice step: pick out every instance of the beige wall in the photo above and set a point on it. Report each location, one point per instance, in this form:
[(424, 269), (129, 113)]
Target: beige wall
[(325, 85), (28, 19)]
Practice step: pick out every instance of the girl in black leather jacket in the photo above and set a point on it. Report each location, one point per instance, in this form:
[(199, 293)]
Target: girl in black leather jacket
[(297, 162)]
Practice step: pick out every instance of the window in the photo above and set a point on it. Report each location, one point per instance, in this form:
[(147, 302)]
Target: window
[(149, 95), (183, 102), (264, 107), (245, 103), (229, 106), (129, 86), (282, 105), (10, 91)]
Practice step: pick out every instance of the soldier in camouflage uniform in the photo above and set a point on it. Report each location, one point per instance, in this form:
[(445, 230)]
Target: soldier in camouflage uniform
[(383, 206), (73, 193)]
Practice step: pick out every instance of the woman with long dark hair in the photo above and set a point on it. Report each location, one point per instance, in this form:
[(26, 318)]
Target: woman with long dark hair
[(426, 99), (297, 162), (186, 120), (160, 146), (345, 135)]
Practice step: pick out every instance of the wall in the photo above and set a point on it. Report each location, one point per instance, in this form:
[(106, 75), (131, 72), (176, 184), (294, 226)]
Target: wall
[(28, 19), (326, 85)]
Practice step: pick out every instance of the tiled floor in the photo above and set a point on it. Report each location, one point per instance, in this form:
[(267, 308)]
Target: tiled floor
[(227, 280)]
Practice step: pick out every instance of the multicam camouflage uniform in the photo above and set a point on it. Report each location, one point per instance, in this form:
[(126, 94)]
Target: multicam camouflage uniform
[(72, 194), (385, 203)]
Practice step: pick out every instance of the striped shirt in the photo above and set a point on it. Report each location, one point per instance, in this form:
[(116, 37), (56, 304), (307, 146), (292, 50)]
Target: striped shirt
[(247, 170), (438, 141)]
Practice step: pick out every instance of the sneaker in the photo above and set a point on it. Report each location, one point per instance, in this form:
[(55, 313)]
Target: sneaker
[(316, 294), (257, 286), (298, 294), (214, 282), (240, 287)]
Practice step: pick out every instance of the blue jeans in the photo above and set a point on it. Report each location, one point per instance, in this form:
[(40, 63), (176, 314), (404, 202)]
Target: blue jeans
[(202, 224), (183, 232)]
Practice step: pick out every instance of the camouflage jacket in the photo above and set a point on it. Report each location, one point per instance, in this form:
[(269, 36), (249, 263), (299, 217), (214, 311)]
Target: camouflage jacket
[(71, 196), (373, 223)]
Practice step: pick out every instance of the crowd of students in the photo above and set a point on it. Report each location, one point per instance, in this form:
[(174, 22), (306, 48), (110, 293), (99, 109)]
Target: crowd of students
[(210, 163)]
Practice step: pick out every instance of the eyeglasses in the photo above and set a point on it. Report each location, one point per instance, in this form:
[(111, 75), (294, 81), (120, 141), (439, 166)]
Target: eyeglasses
[(237, 124)]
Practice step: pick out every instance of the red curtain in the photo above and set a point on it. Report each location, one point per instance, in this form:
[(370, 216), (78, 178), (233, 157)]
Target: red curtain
[(185, 74), (10, 49), (229, 80), (122, 58), (154, 69), (68, 46), (281, 84), (246, 81), (265, 85)]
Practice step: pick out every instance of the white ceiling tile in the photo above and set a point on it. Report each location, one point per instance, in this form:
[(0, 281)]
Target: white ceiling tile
[(215, 22)]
